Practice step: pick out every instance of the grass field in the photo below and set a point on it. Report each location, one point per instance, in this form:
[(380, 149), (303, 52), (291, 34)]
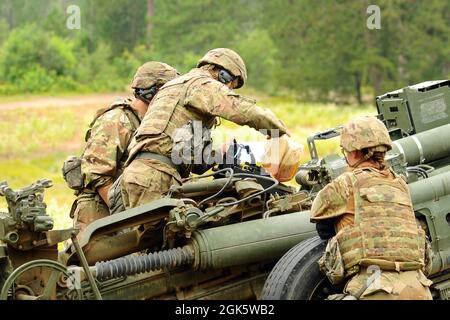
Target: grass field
[(35, 142)]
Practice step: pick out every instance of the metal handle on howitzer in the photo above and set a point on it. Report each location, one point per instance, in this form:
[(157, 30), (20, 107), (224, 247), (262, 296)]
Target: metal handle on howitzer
[(324, 135), (86, 269)]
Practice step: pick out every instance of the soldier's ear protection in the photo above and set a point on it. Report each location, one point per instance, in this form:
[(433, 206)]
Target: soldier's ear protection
[(225, 77), (146, 94)]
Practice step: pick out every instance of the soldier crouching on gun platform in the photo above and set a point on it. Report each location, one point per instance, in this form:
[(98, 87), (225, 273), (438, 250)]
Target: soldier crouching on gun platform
[(368, 214), (107, 142), (198, 96)]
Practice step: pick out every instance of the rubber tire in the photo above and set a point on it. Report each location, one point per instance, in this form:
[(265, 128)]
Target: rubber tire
[(296, 275)]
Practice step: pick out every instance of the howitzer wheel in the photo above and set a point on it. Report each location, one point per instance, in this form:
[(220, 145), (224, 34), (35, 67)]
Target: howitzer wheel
[(57, 269), (297, 276)]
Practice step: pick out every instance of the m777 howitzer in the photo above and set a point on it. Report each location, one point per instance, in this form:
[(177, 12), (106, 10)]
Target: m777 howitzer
[(218, 236)]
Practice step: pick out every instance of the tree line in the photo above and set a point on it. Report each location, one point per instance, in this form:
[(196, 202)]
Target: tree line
[(316, 50)]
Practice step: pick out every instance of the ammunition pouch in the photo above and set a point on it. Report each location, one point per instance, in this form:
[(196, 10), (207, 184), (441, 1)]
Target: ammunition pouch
[(331, 263), (71, 171)]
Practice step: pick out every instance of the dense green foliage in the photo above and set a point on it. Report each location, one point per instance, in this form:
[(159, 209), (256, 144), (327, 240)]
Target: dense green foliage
[(320, 50)]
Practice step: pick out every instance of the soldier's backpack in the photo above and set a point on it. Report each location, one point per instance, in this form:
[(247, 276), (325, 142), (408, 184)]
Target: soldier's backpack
[(71, 169)]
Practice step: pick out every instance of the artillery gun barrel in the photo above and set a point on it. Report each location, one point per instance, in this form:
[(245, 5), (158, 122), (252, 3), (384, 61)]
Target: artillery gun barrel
[(204, 186), (226, 246), (424, 147), (430, 189)]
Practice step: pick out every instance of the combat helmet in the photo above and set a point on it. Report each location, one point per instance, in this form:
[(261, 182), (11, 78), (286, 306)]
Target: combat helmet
[(365, 132), (228, 60), (153, 73)]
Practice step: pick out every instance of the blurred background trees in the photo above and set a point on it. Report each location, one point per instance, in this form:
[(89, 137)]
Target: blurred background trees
[(315, 50)]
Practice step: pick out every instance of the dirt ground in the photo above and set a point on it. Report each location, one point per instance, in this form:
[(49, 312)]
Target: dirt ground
[(68, 101)]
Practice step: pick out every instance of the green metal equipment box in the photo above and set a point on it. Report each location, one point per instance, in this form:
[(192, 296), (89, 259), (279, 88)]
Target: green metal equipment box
[(416, 108)]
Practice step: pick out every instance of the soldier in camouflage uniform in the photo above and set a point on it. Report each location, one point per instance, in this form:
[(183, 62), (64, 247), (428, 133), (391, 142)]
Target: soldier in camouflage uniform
[(368, 209), (108, 138), (203, 94)]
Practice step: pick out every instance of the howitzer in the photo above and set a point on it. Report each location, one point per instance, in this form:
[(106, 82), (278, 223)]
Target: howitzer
[(216, 236), (229, 233)]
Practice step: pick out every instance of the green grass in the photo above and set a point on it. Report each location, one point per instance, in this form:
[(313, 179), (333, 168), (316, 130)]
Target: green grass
[(24, 133), (35, 142)]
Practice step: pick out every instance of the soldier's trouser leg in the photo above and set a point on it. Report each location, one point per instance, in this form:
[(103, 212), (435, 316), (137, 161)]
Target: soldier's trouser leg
[(115, 197), (392, 285), (89, 210), (144, 181)]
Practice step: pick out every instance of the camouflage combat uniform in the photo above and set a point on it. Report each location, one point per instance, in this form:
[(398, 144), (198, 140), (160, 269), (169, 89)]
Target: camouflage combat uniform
[(375, 226), (108, 138), (193, 96), (103, 158)]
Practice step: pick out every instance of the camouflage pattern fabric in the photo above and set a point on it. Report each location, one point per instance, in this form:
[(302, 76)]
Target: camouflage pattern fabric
[(384, 223), (89, 208), (365, 132), (331, 263), (115, 199), (146, 180), (385, 231), (193, 96), (153, 73), (196, 96), (104, 156), (335, 201), (107, 141), (391, 285)]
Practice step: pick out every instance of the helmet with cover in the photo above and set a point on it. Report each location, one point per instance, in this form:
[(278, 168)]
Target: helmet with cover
[(153, 73), (150, 77), (226, 59), (365, 132)]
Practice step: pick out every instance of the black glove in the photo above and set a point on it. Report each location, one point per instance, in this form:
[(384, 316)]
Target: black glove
[(325, 229)]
